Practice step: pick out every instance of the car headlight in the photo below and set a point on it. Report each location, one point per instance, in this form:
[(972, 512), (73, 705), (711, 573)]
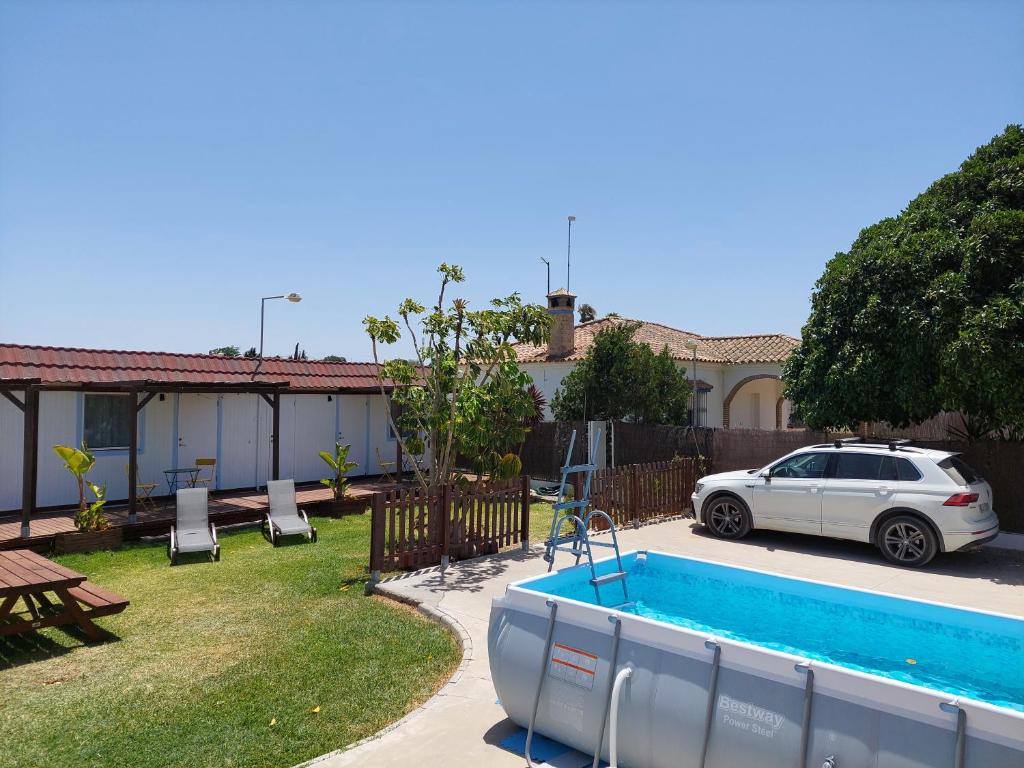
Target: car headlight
[(699, 487)]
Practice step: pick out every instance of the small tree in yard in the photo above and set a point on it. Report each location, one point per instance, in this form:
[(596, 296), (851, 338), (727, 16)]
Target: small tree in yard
[(925, 312), (79, 461), (623, 379), (463, 394), (340, 466)]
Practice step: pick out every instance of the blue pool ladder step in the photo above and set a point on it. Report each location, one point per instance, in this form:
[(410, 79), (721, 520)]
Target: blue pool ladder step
[(579, 542)]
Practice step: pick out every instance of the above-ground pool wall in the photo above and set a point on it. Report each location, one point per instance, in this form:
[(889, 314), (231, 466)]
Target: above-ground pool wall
[(757, 707), (235, 429)]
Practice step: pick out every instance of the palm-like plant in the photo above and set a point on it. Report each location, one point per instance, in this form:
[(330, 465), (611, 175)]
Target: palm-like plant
[(79, 461), (340, 466)]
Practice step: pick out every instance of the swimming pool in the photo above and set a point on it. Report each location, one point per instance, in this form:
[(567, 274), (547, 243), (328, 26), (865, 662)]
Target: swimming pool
[(732, 666), (948, 649)]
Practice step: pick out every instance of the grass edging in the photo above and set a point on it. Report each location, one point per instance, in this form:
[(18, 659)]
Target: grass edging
[(437, 615)]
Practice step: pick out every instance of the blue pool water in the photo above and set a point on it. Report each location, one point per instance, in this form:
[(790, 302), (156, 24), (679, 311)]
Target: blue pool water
[(947, 649)]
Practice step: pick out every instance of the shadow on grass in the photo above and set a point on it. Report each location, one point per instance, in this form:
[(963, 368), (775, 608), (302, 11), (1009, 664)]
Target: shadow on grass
[(30, 647)]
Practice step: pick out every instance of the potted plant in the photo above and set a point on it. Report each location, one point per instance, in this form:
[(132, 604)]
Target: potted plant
[(94, 531), (338, 482)]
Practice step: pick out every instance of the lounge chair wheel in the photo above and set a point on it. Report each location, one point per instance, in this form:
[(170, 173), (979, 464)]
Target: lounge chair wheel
[(216, 554), (313, 538), (174, 558)]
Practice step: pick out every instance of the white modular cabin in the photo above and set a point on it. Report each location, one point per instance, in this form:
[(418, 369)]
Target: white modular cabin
[(192, 406)]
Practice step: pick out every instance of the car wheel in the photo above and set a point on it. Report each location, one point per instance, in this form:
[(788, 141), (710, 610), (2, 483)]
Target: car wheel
[(907, 541), (727, 518)]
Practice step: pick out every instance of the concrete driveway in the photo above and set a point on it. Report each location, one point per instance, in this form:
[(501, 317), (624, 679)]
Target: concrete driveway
[(462, 723)]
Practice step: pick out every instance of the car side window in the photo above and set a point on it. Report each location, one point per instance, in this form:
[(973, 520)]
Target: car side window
[(907, 470), (888, 470), (859, 466), (804, 466)]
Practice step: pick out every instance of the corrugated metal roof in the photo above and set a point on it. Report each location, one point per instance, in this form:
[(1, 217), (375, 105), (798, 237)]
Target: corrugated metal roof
[(757, 348), (69, 365)]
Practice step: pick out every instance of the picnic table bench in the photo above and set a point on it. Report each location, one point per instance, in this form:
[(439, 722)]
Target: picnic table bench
[(26, 575)]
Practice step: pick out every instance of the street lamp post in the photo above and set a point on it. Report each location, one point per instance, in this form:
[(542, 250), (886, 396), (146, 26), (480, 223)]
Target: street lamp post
[(692, 346), (292, 297), (568, 253)]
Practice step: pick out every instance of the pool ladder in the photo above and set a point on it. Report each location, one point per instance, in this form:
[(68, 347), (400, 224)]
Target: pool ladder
[(579, 543)]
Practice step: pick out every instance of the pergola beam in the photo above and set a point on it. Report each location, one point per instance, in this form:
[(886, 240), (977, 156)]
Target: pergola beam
[(133, 407), (17, 403), (29, 459)]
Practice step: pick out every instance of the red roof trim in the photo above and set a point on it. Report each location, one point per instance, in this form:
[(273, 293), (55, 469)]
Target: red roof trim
[(72, 365)]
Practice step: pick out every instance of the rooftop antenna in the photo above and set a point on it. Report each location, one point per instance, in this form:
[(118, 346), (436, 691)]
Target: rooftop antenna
[(548, 264), (568, 254)]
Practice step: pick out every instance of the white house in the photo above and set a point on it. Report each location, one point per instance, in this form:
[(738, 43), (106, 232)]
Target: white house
[(739, 378), (188, 406)]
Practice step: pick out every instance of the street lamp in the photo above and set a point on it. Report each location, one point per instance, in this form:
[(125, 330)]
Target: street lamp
[(568, 253), (294, 298), (692, 346)]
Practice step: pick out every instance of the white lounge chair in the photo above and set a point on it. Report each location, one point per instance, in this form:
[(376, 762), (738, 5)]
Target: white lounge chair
[(284, 517), (193, 531)]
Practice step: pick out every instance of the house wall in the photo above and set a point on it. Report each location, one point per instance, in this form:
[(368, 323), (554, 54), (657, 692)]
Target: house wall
[(173, 432), (548, 378)]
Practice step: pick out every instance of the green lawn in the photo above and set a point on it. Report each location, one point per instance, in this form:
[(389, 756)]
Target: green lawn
[(267, 658)]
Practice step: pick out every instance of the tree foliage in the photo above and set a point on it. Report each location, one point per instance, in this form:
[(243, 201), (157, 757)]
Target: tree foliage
[(230, 351), (463, 394), (587, 313), (623, 379), (925, 312)]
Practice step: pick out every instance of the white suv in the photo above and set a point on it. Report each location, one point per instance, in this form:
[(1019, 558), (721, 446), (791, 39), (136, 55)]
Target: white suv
[(909, 502)]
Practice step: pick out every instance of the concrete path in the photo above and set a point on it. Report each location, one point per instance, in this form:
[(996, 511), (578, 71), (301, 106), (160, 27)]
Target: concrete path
[(462, 723)]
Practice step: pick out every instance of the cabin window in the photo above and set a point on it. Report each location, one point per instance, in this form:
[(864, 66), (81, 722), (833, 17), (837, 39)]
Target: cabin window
[(397, 411), (105, 421)]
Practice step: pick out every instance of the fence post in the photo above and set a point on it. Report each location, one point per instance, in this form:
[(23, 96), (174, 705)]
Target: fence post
[(631, 495), (524, 513), (376, 540), (444, 518)]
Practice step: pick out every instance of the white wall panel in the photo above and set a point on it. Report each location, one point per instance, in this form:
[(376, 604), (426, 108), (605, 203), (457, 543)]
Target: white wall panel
[(313, 423), (11, 443)]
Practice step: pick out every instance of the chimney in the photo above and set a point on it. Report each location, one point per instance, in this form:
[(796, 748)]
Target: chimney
[(562, 308)]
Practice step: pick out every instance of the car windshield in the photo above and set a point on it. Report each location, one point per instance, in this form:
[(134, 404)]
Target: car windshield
[(959, 471)]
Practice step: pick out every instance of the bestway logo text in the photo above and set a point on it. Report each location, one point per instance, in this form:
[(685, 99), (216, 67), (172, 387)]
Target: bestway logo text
[(751, 712)]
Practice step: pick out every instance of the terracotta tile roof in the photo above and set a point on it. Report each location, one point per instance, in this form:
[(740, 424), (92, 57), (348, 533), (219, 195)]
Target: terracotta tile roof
[(64, 365), (757, 348)]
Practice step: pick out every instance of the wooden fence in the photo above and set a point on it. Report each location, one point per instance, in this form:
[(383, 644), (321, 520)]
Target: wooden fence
[(641, 492), (414, 529)]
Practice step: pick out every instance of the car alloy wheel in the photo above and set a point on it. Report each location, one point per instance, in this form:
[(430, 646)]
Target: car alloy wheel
[(727, 519), (905, 542)]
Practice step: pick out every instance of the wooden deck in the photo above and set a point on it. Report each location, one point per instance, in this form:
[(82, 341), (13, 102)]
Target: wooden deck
[(225, 509)]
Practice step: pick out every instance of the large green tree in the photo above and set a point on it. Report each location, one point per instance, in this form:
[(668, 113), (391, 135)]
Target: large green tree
[(925, 312), (463, 394), (621, 378)]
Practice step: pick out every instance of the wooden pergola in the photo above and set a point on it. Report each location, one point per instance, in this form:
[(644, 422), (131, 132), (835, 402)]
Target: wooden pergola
[(139, 394)]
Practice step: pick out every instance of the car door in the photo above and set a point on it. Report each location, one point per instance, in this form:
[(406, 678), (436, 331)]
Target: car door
[(788, 497), (860, 486)]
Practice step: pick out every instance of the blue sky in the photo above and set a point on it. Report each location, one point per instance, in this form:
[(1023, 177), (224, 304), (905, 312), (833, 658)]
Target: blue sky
[(165, 164)]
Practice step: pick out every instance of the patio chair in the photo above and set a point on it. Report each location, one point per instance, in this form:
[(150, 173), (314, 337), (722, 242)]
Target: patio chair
[(193, 531), (284, 517), (205, 465), (143, 491), (385, 467)]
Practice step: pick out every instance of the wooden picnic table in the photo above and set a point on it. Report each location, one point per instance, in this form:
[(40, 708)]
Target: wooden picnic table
[(26, 575)]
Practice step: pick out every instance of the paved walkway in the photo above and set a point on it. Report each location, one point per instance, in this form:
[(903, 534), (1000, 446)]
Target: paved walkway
[(462, 723)]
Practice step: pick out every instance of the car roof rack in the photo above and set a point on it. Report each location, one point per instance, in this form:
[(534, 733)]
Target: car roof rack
[(894, 444), (844, 440)]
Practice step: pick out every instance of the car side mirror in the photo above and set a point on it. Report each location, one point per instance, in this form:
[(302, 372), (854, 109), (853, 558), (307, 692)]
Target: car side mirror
[(767, 476)]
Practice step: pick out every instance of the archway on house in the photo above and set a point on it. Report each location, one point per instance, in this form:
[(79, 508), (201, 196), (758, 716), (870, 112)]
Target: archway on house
[(756, 402)]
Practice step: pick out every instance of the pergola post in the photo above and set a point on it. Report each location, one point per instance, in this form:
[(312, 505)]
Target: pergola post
[(132, 406), (30, 459), (276, 442)]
